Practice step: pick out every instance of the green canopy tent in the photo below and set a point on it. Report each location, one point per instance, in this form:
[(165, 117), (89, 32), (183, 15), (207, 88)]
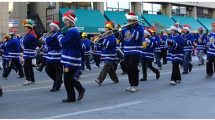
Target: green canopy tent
[(90, 21)]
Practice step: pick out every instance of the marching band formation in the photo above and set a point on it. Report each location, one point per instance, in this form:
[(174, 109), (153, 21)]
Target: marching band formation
[(65, 55)]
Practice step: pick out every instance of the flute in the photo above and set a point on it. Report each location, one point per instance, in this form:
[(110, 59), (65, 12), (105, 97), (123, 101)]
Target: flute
[(41, 38)]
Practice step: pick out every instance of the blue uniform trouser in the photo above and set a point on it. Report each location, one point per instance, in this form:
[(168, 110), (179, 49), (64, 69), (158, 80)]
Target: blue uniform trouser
[(13, 62), (28, 70), (55, 71), (131, 65), (71, 84), (157, 58), (97, 59), (176, 75), (200, 54), (5, 63), (187, 60), (78, 74), (87, 61), (147, 64), (210, 65), (82, 63)]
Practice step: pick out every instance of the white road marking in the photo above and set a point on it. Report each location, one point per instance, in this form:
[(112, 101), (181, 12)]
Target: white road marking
[(122, 78), (28, 89), (94, 110), (45, 81)]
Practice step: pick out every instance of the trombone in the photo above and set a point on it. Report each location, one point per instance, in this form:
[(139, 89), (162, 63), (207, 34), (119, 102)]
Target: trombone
[(106, 34)]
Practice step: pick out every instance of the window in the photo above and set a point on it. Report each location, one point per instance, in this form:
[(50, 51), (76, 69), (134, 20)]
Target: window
[(117, 6), (179, 10), (76, 5), (151, 8), (183, 10), (203, 12), (200, 12)]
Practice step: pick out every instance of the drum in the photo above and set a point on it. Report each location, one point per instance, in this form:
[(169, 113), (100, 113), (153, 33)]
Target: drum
[(119, 54)]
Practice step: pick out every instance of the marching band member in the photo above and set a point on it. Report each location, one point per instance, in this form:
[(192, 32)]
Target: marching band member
[(120, 48), (108, 56), (54, 68), (117, 60), (201, 40), (1, 51), (42, 50), (71, 57), (132, 40), (211, 53), (29, 44), (175, 54), (97, 49), (157, 49), (188, 48), (86, 46), (12, 45), (4, 51), (163, 47), (147, 57)]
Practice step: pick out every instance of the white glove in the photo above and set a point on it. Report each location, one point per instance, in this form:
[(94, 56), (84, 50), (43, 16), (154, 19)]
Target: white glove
[(147, 40)]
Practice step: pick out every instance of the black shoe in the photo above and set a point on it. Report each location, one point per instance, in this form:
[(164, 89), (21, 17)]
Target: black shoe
[(81, 95), (68, 100), (38, 69), (54, 90), (190, 67), (158, 74), (58, 87), (143, 79), (99, 82), (208, 76), (123, 73), (115, 82), (185, 73), (20, 77)]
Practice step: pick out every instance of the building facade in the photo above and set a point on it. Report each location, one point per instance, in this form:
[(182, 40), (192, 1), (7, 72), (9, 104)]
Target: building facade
[(12, 13)]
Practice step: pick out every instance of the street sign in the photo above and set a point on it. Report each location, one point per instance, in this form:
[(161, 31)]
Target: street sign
[(13, 23), (101, 29)]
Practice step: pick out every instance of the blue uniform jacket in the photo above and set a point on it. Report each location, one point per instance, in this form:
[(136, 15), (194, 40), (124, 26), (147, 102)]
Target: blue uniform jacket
[(29, 43), (211, 46), (157, 44), (188, 41), (71, 48), (201, 40), (86, 46), (148, 52), (175, 48), (53, 48), (163, 45), (109, 49), (132, 38), (13, 47)]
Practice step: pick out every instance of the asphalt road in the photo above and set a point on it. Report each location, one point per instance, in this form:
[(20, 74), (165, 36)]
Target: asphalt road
[(193, 98)]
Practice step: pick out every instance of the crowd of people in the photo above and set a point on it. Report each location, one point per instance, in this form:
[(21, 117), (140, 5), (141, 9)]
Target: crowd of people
[(66, 55)]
